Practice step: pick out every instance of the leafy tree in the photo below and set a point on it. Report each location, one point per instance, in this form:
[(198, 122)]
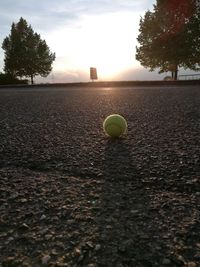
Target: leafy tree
[(26, 54), (169, 36)]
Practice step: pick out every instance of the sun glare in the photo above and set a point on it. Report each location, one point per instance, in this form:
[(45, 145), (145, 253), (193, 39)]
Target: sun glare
[(106, 42)]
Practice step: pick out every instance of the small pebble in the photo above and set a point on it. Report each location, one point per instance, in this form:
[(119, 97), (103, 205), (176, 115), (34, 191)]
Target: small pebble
[(166, 261), (77, 252), (43, 217), (45, 259), (97, 247), (10, 239), (24, 226), (191, 264), (48, 236), (23, 200)]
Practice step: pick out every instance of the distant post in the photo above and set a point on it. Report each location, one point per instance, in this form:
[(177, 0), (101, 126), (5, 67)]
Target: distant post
[(93, 74)]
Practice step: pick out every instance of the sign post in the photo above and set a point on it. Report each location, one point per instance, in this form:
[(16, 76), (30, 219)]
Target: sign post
[(93, 74)]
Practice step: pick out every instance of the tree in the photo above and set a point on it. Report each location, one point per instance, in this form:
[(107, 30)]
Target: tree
[(169, 36), (26, 54)]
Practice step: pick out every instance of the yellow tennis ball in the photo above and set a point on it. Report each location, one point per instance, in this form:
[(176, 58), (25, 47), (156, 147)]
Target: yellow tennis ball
[(115, 125)]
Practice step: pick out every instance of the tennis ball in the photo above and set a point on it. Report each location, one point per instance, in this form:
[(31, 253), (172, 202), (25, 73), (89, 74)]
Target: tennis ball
[(115, 125)]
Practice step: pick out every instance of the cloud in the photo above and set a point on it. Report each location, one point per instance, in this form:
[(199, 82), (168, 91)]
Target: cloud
[(138, 73), (41, 15), (46, 14), (69, 76)]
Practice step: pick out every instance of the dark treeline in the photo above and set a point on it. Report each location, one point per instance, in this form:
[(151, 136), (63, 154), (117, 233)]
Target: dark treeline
[(7, 78)]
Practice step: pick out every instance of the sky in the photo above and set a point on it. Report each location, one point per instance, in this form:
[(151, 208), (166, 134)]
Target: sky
[(83, 34)]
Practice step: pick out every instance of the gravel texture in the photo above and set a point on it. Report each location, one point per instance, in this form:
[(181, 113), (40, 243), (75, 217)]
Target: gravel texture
[(70, 196)]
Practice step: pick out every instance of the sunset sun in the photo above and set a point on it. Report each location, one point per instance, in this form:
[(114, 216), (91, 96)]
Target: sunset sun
[(105, 44), (101, 41)]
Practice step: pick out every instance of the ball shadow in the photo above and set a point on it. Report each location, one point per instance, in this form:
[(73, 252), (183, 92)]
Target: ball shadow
[(118, 164), (123, 201)]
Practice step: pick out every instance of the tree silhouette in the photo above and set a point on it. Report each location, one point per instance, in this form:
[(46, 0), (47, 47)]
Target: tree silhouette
[(26, 54), (169, 36)]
